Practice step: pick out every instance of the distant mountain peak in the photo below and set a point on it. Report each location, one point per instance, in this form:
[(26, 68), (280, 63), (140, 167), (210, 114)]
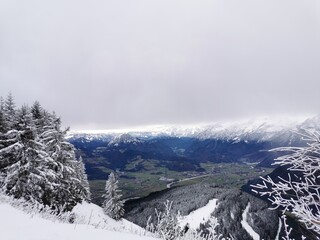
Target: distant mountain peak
[(124, 138)]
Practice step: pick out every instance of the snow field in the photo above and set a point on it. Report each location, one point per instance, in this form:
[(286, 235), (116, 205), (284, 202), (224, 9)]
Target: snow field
[(246, 226), (201, 215), (90, 223)]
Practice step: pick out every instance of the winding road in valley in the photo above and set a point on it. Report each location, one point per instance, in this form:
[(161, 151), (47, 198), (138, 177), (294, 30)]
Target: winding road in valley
[(169, 185)]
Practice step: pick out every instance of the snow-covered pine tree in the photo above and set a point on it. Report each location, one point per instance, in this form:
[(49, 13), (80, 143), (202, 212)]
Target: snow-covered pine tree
[(36, 162), (84, 183), (2, 118), (2, 137), (10, 111), (68, 190), (9, 136), (30, 175), (38, 116), (113, 205)]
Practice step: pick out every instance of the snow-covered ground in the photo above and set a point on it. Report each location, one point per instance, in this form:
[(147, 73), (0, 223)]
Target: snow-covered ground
[(92, 214), (201, 215), (90, 223), (246, 226)]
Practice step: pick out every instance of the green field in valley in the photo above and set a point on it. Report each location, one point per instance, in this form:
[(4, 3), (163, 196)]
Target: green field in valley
[(153, 178)]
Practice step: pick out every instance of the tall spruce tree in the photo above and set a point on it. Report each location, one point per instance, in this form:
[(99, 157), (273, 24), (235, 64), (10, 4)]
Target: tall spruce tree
[(113, 205), (9, 136), (2, 118), (10, 111), (31, 175), (68, 191), (84, 183), (36, 162), (38, 116)]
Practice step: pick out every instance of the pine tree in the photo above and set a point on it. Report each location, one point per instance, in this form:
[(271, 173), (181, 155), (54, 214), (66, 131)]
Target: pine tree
[(2, 118), (36, 162), (38, 116), (84, 183), (10, 111), (68, 191), (30, 175), (9, 136), (113, 205)]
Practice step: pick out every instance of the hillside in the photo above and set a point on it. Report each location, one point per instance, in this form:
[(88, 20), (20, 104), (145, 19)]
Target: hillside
[(198, 202), (90, 223)]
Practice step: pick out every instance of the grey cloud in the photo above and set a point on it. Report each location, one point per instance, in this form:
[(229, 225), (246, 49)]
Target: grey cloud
[(105, 64)]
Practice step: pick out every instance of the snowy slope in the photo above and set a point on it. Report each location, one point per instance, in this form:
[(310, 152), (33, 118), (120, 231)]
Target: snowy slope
[(201, 215), (17, 225), (246, 225)]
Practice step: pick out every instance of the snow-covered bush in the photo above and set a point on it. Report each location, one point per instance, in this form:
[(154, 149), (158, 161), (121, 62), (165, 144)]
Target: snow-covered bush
[(166, 223), (300, 192)]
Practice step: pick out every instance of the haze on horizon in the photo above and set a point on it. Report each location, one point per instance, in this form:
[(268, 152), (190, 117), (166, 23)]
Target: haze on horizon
[(126, 63)]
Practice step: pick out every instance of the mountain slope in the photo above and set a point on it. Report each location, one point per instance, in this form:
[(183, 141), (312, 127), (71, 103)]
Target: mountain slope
[(16, 225)]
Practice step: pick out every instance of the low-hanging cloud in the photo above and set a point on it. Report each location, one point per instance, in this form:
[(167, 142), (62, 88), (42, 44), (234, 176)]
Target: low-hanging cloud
[(105, 64)]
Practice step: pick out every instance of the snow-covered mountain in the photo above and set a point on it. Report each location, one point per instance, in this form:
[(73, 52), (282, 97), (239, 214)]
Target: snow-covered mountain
[(262, 129), (124, 138)]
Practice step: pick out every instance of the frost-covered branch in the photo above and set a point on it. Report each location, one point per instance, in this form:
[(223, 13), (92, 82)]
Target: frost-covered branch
[(299, 193)]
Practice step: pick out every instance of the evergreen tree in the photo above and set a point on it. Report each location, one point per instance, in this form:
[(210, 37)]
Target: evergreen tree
[(68, 191), (1, 103), (10, 111), (113, 205), (38, 116), (30, 175), (36, 162), (9, 136), (2, 118), (84, 183)]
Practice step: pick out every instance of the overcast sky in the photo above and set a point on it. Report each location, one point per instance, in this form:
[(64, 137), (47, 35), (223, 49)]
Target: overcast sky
[(107, 64)]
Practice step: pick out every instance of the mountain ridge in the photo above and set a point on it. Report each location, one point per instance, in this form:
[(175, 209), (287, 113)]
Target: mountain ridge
[(261, 129)]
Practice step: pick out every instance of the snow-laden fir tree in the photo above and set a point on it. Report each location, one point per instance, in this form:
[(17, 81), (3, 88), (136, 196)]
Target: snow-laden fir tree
[(9, 108), (68, 191), (2, 118), (113, 205), (84, 183), (36, 162), (28, 174)]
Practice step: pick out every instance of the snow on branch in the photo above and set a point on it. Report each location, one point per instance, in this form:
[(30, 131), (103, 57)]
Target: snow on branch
[(299, 193)]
